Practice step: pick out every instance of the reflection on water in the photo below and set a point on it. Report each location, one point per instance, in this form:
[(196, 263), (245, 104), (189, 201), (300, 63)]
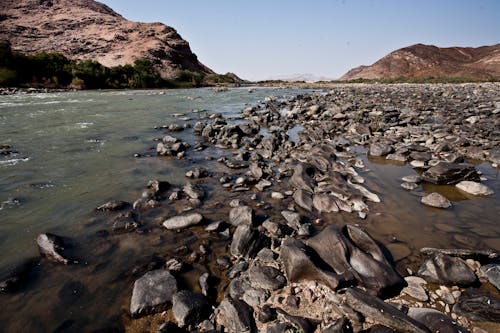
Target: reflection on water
[(81, 149)]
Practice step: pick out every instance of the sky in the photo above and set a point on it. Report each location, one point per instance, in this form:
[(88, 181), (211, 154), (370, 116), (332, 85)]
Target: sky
[(263, 39)]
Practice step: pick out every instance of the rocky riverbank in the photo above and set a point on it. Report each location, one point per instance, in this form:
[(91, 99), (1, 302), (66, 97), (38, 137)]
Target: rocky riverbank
[(269, 253)]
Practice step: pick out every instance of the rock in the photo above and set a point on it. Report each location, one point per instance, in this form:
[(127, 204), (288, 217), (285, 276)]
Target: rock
[(445, 173), (237, 269), (266, 277), (277, 196), (152, 293), (325, 203), (235, 316), (246, 241), (183, 221), (435, 321), (341, 325), (262, 184), (412, 179), (193, 191), (241, 215), (113, 205), (266, 314), (197, 173), (436, 200), (51, 246), (409, 186), (301, 180), (125, 223), (190, 308), (299, 266), (298, 324), (462, 253), (478, 305), (303, 199), (203, 281), (492, 272), (293, 221), (174, 265), (415, 289), (380, 149), (444, 269), (382, 313), (256, 171), (474, 188)]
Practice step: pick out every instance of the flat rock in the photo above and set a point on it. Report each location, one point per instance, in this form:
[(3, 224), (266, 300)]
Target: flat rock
[(190, 308), (325, 203), (183, 221), (435, 321), (436, 200), (382, 313), (445, 173), (241, 215), (474, 188), (444, 269), (152, 292), (266, 277)]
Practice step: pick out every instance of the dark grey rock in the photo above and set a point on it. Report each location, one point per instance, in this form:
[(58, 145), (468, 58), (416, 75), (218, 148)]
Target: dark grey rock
[(266, 277), (301, 180), (444, 269), (341, 325), (435, 321), (190, 308), (237, 269), (325, 203), (152, 292), (303, 199), (52, 246), (382, 313), (235, 316), (246, 241), (445, 173), (182, 221), (300, 267), (241, 215), (478, 305), (492, 272)]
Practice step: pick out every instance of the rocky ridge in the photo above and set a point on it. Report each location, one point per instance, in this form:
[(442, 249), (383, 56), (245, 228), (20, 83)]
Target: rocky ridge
[(430, 61), (89, 30)]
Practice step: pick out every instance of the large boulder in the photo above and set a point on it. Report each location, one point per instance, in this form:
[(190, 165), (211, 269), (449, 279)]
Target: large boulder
[(152, 292), (445, 173)]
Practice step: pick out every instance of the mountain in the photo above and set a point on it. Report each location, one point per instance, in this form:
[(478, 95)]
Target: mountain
[(307, 77), (86, 29), (431, 61)]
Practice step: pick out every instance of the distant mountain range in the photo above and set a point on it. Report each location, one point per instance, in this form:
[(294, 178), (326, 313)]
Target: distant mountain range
[(86, 29), (307, 77), (418, 61)]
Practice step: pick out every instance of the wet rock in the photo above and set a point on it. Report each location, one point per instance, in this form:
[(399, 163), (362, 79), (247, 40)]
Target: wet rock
[(19, 276), (203, 281), (492, 272), (237, 269), (246, 241), (445, 173), (216, 226), (183, 221), (435, 321), (125, 223), (152, 293), (113, 205), (409, 186), (412, 179), (382, 313), (380, 149), (300, 267), (303, 199), (301, 180), (461, 253), (241, 215), (190, 308), (193, 191), (478, 305), (436, 200), (444, 269), (474, 188), (197, 173), (158, 187), (235, 316), (52, 246), (266, 277)]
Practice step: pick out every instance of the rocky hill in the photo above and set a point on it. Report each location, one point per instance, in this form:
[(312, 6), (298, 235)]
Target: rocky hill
[(430, 61), (86, 29)]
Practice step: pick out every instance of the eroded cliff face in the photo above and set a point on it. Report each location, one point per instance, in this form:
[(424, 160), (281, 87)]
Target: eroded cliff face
[(86, 29), (426, 60)]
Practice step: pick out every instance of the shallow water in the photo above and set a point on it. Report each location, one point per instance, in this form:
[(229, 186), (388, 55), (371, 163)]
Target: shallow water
[(76, 151)]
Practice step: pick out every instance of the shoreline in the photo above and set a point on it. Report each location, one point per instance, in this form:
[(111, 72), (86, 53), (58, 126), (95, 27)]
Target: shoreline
[(299, 175)]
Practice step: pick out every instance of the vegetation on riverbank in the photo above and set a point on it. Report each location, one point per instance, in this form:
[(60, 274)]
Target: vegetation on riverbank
[(54, 70)]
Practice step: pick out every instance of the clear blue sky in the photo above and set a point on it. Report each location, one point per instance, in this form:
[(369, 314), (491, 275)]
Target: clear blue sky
[(259, 39)]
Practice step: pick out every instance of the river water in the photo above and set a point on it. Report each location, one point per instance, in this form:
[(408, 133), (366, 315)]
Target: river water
[(75, 150)]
